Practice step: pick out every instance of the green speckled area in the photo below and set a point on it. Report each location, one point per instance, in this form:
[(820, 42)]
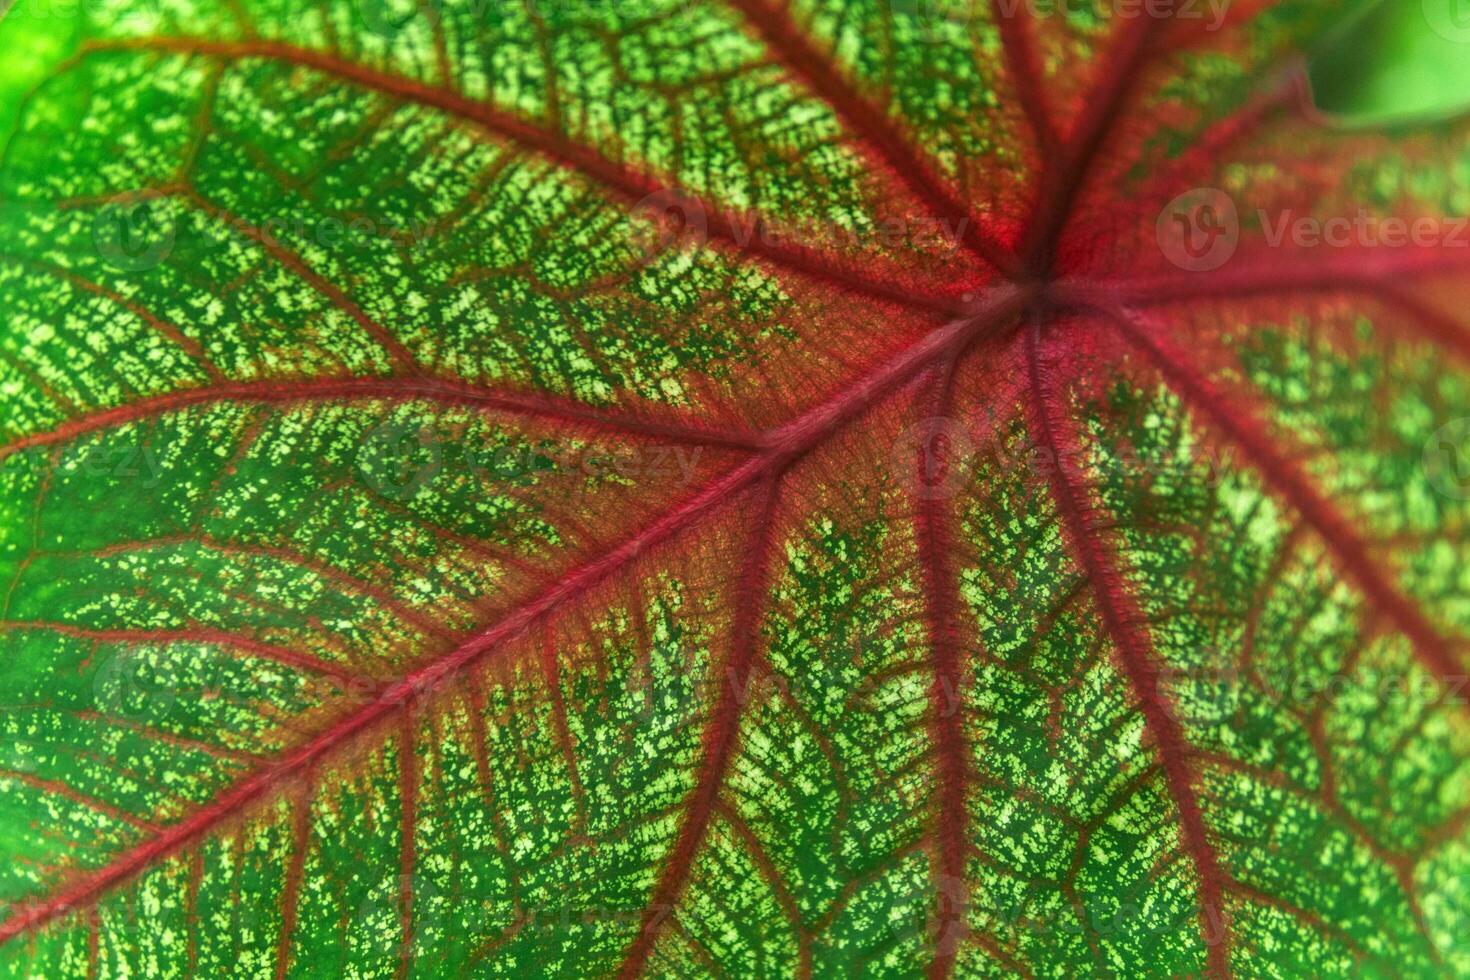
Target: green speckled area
[(722, 489)]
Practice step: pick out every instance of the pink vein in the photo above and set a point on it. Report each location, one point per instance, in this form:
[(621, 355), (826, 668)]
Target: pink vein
[(69, 793), (1020, 53), (1062, 183), (551, 674), (444, 391), (160, 326), (287, 556), (627, 183), (1125, 624), (1261, 273), (291, 894), (211, 637), (1436, 326), (428, 678), (408, 786), (776, 882), (776, 27), (400, 355), (781, 448), (933, 527), (1213, 144), (1282, 474), (721, 735)]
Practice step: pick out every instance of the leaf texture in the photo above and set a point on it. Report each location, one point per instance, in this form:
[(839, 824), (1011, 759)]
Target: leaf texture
[(724, 489)]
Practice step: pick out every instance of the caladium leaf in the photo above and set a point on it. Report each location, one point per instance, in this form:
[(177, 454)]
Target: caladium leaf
[(692, 488)]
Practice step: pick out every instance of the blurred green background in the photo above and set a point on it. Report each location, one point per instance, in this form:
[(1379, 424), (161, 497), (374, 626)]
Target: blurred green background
[(1399, 59)]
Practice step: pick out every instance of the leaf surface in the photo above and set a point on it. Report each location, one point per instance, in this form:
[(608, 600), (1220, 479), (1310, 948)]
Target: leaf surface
[(724, 489)]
